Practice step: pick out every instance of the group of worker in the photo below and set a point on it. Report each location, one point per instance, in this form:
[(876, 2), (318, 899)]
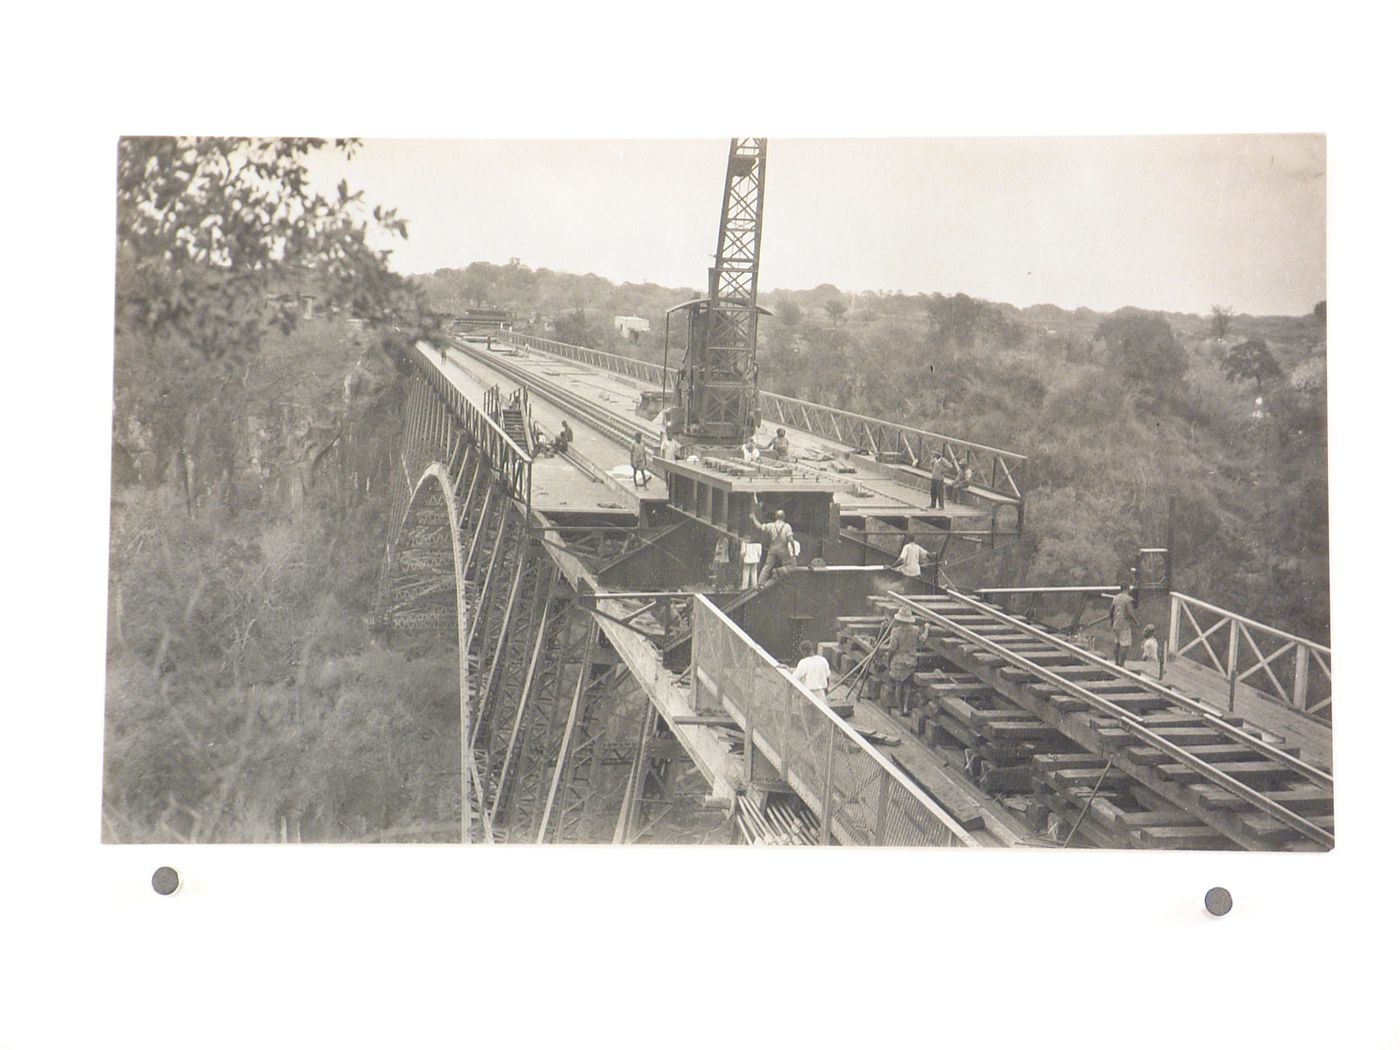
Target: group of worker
[(946, 474), (1122, 618), (556, 447)]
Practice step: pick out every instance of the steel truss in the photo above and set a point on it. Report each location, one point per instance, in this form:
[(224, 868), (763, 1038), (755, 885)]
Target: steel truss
[(556, 737)]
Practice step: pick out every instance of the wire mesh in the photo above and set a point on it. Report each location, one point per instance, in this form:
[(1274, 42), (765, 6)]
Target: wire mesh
[(861, 799)]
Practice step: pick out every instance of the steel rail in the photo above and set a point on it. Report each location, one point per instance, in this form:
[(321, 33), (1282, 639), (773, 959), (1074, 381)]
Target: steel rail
[(607, 423), (1129, 722), (1309, 772)]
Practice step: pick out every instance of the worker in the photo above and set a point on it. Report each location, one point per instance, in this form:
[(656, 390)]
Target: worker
[(1151, 652), (640, 458), (1121, 618), (780, 544), (911, 558), (750, 451), (962, 478), (667, 449), (443, 348), (938, 473), (750, 559), (904, 641), (565, 438), (488, 342), (779, 445), (812, 670)]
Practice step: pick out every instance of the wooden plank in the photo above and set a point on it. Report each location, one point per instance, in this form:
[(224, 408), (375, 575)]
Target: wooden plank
[(1252, 773)]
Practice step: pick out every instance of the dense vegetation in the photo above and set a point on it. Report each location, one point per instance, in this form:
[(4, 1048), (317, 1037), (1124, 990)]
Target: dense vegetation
[(251, 449), (1223, 415)]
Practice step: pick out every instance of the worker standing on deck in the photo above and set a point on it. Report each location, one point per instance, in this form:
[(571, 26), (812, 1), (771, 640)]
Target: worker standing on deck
[(750, 451), (565, 438), (939, 471), (752, 556), (905, 639), (780, 541), (1121, 619), (640, 459), (812, 670)]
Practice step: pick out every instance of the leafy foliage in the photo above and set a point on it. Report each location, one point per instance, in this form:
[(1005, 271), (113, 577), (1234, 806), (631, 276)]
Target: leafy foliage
[(1143, 349), (1250, 360), (1220, 318), (209, 228)]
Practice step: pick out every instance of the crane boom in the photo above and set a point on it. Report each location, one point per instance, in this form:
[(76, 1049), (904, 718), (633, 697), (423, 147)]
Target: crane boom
[(718, 390)]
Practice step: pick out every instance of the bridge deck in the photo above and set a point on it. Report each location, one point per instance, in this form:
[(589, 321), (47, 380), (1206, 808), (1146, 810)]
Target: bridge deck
[(559, 485), (863, 487)]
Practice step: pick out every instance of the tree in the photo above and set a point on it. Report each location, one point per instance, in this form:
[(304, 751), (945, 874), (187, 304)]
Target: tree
[(788, 312), (835, 309), (1320, 313), (211, 231), (1144, 350), (1250, 360), (1220, 318)]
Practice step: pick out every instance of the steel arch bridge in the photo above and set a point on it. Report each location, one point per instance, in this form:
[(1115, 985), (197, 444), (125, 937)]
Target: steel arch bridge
[(575, 723)]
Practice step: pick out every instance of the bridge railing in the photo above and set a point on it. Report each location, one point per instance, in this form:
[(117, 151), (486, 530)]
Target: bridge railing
[(995, 470), (1000, 474), (1280, 666), (626, 366), (514, 464), (858, 795)]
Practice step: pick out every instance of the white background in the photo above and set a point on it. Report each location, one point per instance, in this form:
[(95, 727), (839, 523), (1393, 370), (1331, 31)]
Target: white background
[(373, 946)]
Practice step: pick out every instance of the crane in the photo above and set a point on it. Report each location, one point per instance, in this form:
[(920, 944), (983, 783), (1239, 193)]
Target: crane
[(716, 398)]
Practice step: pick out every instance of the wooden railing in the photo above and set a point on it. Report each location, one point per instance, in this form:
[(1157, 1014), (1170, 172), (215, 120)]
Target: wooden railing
[(1274, 663), (512, 462)]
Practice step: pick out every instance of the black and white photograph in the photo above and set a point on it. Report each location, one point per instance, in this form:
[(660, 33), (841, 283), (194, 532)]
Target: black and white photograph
[(971, 493), (544, 525)]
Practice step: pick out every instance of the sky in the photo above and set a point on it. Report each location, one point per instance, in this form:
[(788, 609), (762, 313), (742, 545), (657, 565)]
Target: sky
[(1175, 223)]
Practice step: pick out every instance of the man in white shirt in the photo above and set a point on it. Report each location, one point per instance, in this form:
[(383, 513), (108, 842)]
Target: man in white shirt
[(812, 670), (911, 558)]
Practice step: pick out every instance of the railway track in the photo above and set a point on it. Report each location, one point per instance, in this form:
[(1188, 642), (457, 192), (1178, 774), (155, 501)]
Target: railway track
[(1255, 794), (614, 425)]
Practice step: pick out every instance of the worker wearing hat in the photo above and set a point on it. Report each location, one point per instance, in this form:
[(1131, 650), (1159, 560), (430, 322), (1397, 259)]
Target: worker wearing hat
[(904, 641)]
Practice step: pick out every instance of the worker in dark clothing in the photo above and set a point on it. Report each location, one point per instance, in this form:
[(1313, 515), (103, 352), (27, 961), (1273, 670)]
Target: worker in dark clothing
[(565, 438), (939, 471), (780, 543), (1121, 620), (904, 641)]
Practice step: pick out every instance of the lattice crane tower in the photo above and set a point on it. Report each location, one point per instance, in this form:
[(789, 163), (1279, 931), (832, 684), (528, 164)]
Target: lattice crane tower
[(717, 393)]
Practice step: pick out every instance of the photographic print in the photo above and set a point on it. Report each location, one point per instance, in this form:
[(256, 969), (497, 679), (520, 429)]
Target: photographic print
[(864, 492)]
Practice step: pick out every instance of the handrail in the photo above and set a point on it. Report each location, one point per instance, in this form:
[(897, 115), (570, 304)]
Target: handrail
[(858, 794), (514, 464), (999, 471), (1272, 676)]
